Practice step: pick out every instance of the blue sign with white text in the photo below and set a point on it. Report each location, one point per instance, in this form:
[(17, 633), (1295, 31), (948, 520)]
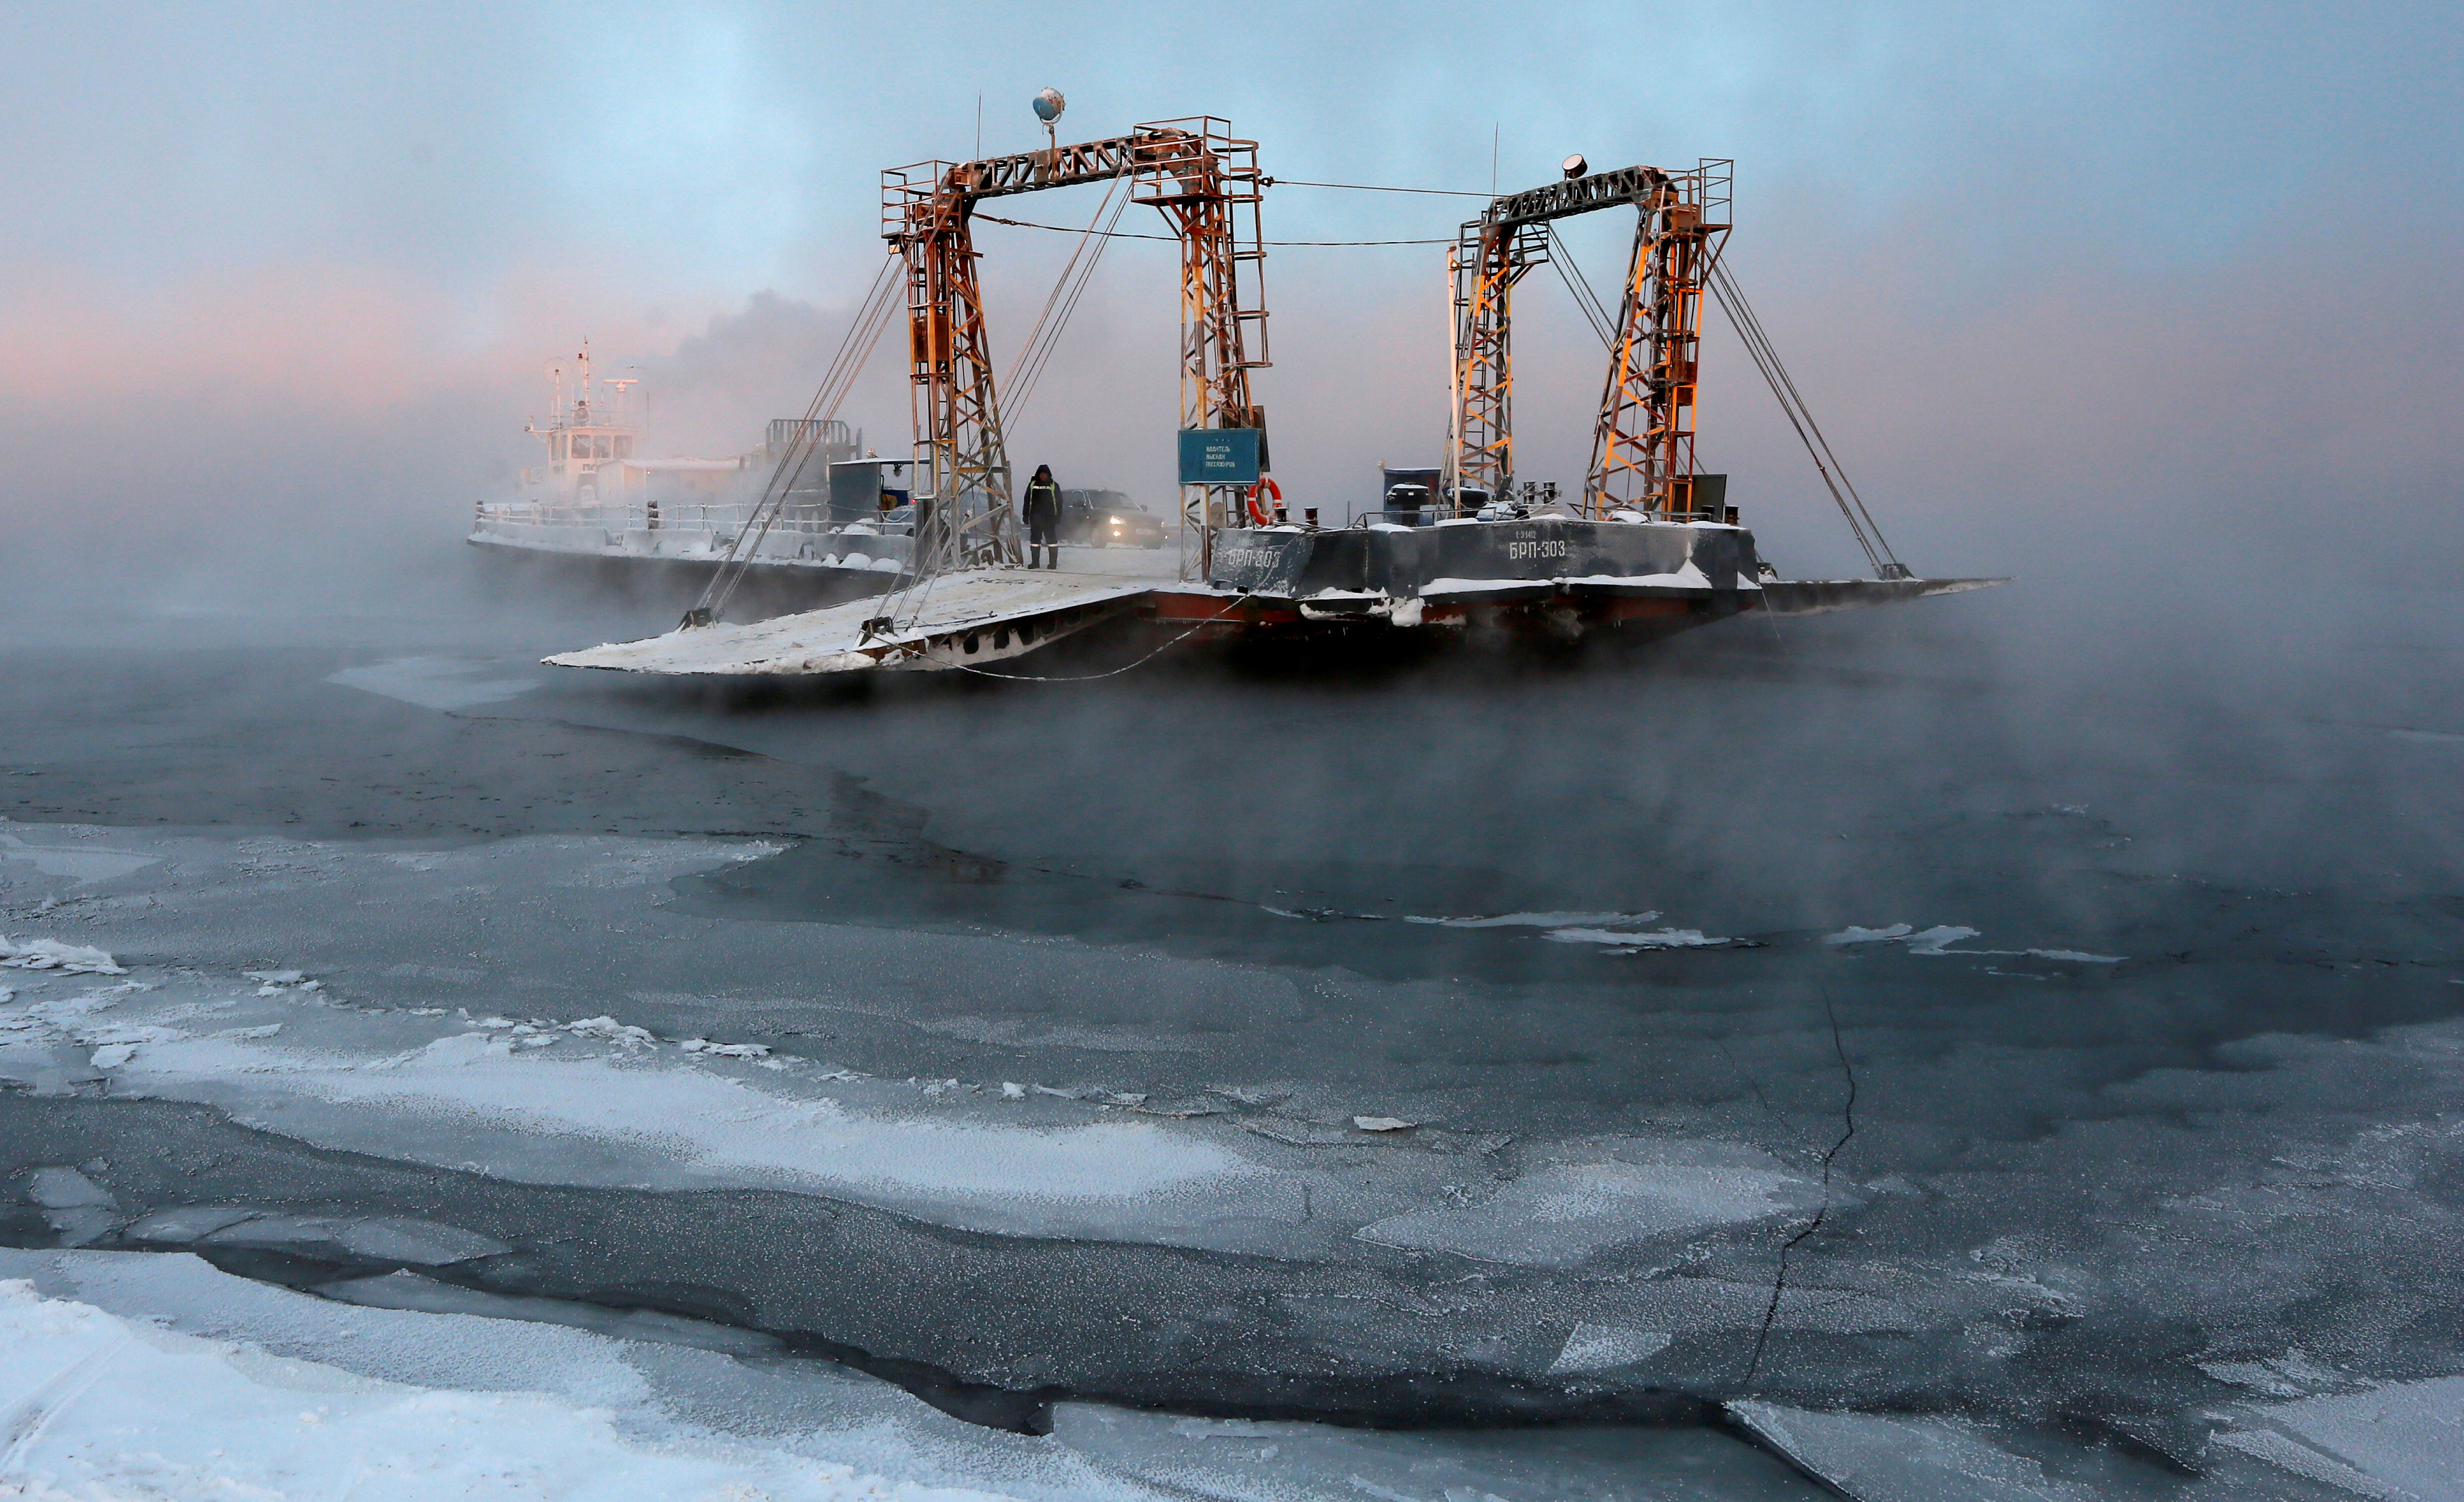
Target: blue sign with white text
[(1218, 455)]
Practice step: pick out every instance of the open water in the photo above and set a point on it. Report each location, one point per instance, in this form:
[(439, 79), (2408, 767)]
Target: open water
[(1901, 1047)]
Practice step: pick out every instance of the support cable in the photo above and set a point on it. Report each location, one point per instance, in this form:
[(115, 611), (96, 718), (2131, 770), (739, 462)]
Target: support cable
[(1835, 478), (1131, 235), (1141, 660), (1373, 188), (1759, 348), (1061, 286), (1594, 312), (863, 332), (1066, 290)]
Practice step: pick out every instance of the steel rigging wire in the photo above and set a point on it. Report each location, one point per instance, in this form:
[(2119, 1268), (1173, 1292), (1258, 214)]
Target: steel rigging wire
[(1749, 331), (1131, 235), (1594, 312), (862, 334), (1066, 290), (1732, 302)]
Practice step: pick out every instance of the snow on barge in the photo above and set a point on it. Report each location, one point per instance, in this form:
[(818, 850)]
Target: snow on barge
[(1648, 548)]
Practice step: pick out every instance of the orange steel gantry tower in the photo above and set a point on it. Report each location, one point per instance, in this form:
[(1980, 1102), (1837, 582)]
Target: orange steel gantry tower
[(1643, 445), (1201, 179)]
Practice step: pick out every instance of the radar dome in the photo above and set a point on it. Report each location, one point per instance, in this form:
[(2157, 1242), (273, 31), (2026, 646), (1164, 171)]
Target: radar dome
[(1049, 105)]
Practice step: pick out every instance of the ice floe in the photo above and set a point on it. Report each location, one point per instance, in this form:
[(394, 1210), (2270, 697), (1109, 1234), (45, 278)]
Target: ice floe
[(435, 682), (82, 863), (155, 1375), (1596, 1348), (65, 1188), (408, 1290), (1248, 1459), (110, 1409), (2403, 1440), (1564, 1214), (1892, 1458)]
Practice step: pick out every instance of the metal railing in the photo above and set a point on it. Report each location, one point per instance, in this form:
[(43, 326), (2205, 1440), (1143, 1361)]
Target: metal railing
[(720, 518)]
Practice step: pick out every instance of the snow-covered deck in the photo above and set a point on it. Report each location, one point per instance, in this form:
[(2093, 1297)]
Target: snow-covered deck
[(956, 620)]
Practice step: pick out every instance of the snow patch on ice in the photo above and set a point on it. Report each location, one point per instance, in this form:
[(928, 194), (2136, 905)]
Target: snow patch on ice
[(705, 1125), (1660, 939), (607, 1028), (1938, 940), (724, 1049), (1537, 919), (1851, 934), (54, 954)]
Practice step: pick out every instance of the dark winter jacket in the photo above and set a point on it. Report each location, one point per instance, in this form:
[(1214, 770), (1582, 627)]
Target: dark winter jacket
[(1042, 500)]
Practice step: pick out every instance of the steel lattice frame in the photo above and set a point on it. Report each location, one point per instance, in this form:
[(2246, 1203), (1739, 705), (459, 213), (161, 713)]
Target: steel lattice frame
[(1485, 262), (959, 446), (1198, 176), (1642, 448), (1207, 184), (1643, 443)]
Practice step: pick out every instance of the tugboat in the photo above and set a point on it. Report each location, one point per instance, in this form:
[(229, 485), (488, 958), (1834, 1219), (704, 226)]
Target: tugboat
[(600, 501)]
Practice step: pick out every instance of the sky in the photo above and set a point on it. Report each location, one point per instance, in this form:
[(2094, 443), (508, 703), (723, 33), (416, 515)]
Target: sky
[(2169, 270)]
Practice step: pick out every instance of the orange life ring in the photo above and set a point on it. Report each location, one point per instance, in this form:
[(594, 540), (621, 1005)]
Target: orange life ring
[(1267, 485)]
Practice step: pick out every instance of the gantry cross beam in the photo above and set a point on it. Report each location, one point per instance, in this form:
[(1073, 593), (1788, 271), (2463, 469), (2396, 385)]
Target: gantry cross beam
[(1642, 442), (1201, 179)]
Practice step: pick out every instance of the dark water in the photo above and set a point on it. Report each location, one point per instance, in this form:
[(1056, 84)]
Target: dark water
[(2201, 892)]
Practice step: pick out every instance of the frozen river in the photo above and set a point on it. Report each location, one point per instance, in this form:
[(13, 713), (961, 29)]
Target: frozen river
[(1897, 1048)]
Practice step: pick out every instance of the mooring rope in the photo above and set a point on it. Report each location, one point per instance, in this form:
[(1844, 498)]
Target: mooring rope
[(1088, 678)]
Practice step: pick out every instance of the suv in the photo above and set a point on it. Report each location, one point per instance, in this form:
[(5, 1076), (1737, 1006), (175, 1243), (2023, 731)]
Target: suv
[(1107, 519)]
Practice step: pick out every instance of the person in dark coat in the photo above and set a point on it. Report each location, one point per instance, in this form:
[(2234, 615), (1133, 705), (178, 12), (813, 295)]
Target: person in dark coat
[(1041, 506)]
